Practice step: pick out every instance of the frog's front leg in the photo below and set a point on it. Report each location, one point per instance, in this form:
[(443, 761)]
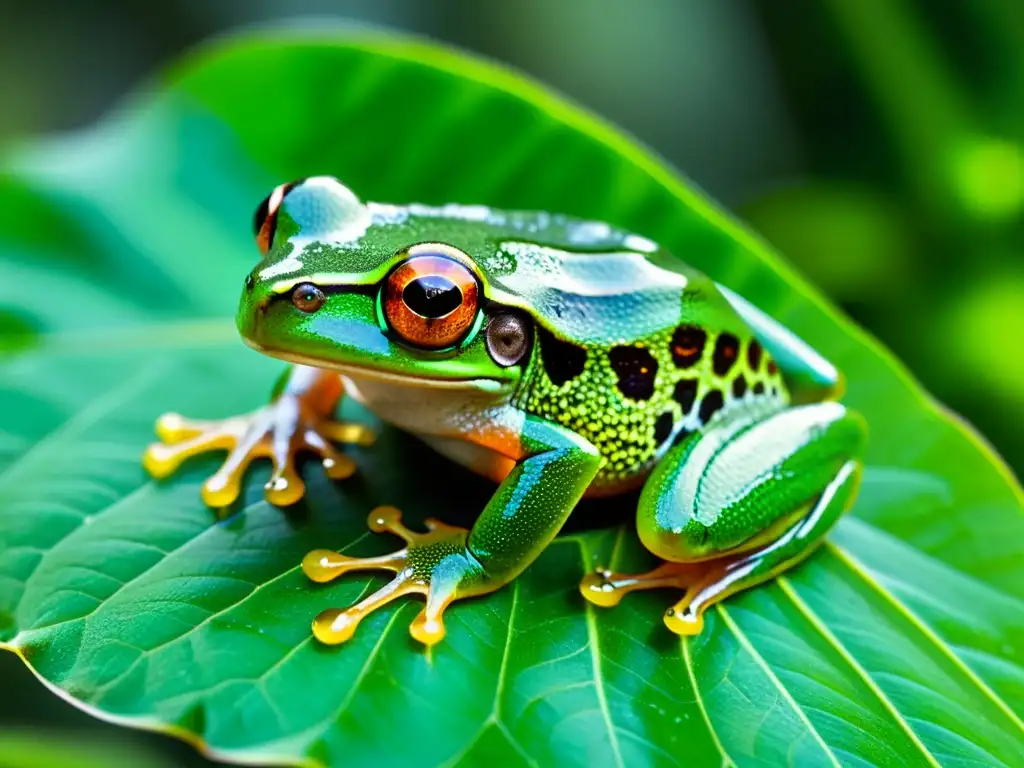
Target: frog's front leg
[(553, 469), (733, 506), (298, 418)]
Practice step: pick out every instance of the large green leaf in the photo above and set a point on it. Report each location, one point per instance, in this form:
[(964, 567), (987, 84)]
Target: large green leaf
[(123, 249)]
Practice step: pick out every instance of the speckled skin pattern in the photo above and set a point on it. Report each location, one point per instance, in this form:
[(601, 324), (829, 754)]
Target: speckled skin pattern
[(633, 401)]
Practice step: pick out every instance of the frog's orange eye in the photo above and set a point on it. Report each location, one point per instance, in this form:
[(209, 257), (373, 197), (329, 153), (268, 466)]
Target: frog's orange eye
[(265, 220), (431, 301)]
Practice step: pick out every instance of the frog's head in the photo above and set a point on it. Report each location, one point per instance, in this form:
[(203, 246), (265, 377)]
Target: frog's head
[(377, 292)]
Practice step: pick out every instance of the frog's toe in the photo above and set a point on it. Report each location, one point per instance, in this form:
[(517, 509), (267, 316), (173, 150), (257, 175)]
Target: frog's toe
[(435, 564), (337, 625), (324, 565), (336, 465), (606, 588), (285, 486), (183, 439), (175, 428), (684, 618), (224, 486), (602, 587)]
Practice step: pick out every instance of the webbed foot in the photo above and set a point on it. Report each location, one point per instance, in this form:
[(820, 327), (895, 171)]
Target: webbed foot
[(278, 431), (606, 588), (435, 564), (686, 617)]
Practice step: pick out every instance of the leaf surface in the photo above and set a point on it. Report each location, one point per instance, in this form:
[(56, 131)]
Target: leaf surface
[(122, 252)]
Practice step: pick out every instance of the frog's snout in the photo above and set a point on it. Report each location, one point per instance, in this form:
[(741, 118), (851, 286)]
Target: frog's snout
[(252, 310)]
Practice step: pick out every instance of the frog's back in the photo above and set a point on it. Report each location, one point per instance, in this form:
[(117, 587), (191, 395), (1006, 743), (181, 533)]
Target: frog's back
[(635, 349), (634, 352)]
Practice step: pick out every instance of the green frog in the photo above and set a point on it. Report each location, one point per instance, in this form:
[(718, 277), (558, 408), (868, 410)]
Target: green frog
[(560, 357)]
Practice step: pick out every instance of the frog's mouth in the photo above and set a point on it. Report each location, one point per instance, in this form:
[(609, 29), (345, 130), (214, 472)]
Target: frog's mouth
[(493, 386)]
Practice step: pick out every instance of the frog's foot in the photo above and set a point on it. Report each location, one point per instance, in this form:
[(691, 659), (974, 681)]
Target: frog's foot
[(278, 431), (435, 564), (606, 588), (704, 583)]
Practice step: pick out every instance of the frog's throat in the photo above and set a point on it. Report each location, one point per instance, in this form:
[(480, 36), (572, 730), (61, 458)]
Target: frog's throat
[(478, 384)]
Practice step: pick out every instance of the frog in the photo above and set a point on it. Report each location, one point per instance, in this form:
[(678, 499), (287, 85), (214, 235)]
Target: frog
[(560, 357)]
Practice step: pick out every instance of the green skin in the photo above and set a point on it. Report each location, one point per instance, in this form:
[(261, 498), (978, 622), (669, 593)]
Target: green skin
[(640, 371)]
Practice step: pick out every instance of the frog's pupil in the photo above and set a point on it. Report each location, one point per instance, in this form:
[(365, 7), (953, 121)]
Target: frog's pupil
[(432, 296)]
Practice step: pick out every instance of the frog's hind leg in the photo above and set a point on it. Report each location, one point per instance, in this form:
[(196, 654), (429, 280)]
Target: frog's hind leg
[(729, 575), (707, 582), (732, 507)]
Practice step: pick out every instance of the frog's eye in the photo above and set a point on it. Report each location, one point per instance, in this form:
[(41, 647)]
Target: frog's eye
[(431, 301), (265, 220)]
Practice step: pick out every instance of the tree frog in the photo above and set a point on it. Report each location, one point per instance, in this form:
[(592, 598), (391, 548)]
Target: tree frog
[(563, 358)]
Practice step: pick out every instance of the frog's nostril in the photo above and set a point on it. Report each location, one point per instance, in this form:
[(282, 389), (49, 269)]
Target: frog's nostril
[(249, 282)]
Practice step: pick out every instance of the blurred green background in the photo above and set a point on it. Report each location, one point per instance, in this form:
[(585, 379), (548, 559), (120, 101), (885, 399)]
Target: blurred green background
[(878, 145)]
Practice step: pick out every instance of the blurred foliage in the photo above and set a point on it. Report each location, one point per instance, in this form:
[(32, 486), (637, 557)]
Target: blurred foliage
[(916, 107), (38, 748), (39, 730)]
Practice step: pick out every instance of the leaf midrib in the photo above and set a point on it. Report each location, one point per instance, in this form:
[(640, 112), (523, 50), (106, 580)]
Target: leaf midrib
[(595, 655), (684, 645), (495, 717)]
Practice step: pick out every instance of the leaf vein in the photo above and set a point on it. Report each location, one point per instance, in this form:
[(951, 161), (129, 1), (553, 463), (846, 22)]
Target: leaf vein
[(863, 573), (819, 624), (744, 641)]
